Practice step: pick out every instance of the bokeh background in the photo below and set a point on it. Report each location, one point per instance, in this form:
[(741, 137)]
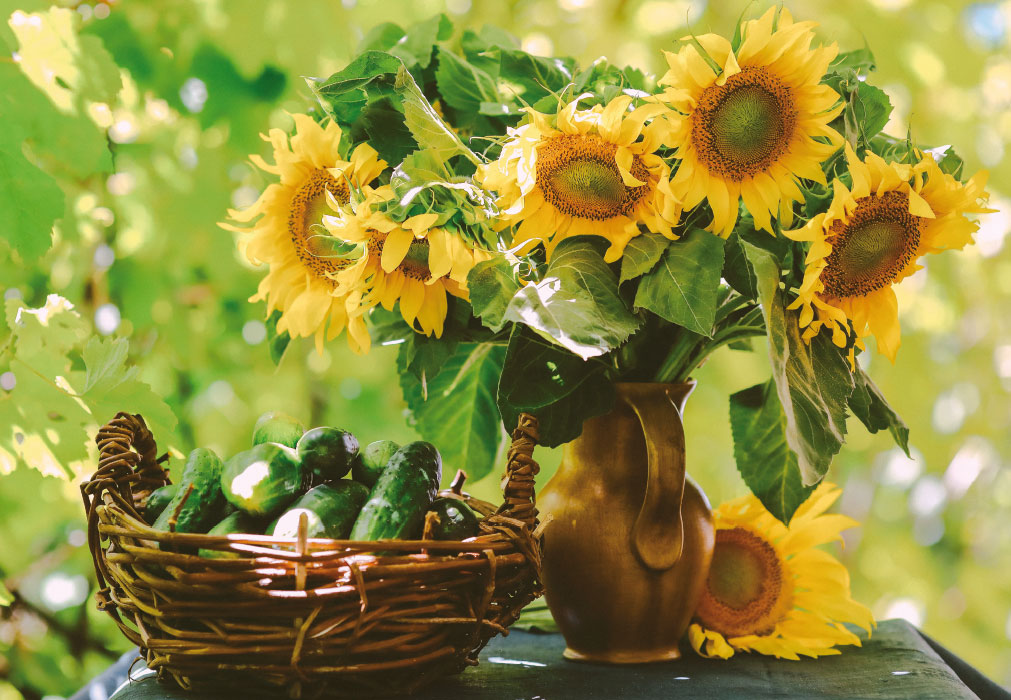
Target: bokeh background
[(139, 254)]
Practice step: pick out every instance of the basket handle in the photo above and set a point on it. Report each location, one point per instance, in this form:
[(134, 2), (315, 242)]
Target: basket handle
[(127, 462), (521, 469)]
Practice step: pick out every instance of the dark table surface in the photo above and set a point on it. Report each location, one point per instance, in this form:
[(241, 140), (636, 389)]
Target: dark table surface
[(896, 662)]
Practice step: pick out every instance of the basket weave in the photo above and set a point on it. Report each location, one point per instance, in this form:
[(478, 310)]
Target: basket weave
[(305, 615)]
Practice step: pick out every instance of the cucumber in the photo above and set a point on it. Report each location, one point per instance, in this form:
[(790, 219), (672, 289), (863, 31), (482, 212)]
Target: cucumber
[(327, 453), (263, 480), (157, 500), (331, 510), (204, 504), (404, 492), (237, 523), (277, 427), (372, 461), (456, 520)]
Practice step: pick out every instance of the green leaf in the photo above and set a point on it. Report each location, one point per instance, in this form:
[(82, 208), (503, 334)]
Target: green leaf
[(813, 380), (382, 37), (492, 284), (576, 305), (415, 47), (458, 413), (947, 160), (382, 125), (425, 124), (764, 459), (277, 343), (641, 254), (870, 406), (535, 76), (684, 287), (559, 388), (5, 596), (462, 85), (872, 108), (861, 61), (30, 201), (424, 357), (369, 66), (737, 268)]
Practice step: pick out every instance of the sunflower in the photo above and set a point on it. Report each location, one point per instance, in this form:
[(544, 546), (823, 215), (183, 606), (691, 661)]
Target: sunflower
[(585, 172), (871, 238), (749, 124), (413, 262), (770, 589), (281, 229)]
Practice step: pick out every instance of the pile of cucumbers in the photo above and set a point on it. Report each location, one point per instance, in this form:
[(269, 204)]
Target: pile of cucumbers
[(383, 491)]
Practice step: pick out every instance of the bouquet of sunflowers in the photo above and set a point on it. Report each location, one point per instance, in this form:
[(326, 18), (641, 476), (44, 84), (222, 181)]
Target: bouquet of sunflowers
[(531, 232)]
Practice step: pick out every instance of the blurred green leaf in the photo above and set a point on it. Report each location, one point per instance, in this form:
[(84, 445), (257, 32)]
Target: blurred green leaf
[(684, 286), (764, 459)]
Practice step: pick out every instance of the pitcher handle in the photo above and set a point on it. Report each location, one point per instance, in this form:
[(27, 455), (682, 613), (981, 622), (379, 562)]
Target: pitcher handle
[(658, 536)]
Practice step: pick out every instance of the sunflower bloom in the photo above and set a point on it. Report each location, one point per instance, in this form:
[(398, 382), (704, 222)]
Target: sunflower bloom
[(749, 125), (282, 229), (413, 262), (872, 237), (771, 590), (585, 172)]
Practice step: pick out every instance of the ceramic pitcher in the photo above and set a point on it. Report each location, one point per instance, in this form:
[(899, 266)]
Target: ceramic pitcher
[(627, 551)]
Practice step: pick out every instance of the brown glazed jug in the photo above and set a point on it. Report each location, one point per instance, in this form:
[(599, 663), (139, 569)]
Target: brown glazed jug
[(627, 550)]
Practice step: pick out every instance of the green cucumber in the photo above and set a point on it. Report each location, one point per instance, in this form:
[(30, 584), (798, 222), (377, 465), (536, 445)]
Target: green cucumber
[(331, 510), (456, 520), (404, 492), (327, 453), (203, 503), (157, 500), (263, 480), (237, 523), (281, 428), (372, 461)]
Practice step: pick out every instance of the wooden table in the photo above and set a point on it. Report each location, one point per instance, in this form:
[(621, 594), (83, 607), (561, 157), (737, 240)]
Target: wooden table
[(896, 662)]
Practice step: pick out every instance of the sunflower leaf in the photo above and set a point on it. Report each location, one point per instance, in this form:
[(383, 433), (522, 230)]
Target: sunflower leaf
[(417, 43), (812, 380), (492, 285), (684, 286), (456, 409), (277, 343), (860, 60), (557, 387), (872, 109), (737, 269), (576, 304), (425, 124), (764, 459), (462, 85), (641, 254), (869, 405)]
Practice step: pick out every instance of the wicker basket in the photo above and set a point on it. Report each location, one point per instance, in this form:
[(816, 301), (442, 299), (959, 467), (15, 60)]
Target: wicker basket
[(305, 615)]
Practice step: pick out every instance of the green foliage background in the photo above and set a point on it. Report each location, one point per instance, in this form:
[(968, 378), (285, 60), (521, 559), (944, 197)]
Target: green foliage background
[(150, 184)]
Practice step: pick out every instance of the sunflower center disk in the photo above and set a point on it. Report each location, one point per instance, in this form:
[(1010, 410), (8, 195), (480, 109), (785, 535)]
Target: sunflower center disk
[(742, 127), (305, 224), (871, 249), (746, 592), (579, 176)]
